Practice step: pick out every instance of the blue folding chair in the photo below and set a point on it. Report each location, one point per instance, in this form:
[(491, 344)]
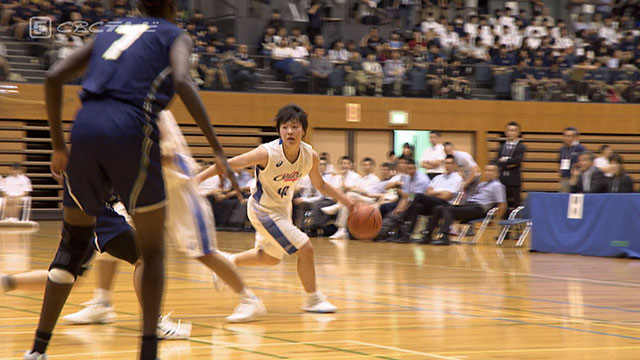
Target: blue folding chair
[(518, 217), (484, 223)]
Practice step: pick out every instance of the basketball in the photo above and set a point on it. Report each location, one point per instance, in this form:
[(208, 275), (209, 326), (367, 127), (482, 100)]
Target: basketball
[(365, 222)]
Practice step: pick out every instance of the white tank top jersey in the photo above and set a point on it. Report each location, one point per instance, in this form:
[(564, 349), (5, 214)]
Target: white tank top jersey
[(276, 183)]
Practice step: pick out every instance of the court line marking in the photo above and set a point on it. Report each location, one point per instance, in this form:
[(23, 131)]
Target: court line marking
[(427, 310), (435, 356), (458, 313), (542, 350)]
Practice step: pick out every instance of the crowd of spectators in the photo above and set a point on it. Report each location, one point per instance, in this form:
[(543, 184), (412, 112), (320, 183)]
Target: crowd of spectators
[(436, 51), (592, 57), (218, 62)]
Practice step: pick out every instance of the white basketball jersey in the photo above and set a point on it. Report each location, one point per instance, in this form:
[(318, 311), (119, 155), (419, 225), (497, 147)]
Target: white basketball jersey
[(276, 183)]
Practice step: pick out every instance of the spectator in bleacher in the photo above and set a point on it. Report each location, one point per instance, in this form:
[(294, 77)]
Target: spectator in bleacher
[(20, 18), (469, 169), (619, 182), (408, 151), (602, 161), (432, 158), (281, 58), (338, 53), (318, 41), (456, 86), (371, 41), (281, 34), (436, 75), (268, 42), (198, 21), (374, 73), (244, 76), (316, 15), (14, 188), (450, 39), (489, 194), (509, 160), (608, 32), (212, 36), (568, 156), (586, 177), (208, 67), (229, 46), (320, 67), (297, 36), (355, 78), (563, 41), (442, 190), (394, 70), (478, 52), (276, 20)]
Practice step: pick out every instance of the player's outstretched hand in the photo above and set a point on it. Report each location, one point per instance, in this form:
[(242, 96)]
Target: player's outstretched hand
[(226, 170), (59, 161)]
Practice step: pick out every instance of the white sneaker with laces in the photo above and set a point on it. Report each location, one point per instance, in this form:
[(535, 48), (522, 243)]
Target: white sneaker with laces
[(247, 310), (340, 234), (94, 313), (171, 330), (331, 209), (318, 303), (28, 355)]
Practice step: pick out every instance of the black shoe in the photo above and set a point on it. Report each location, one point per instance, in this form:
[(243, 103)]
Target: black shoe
[(444, 240), (424, 241), (401, 240)]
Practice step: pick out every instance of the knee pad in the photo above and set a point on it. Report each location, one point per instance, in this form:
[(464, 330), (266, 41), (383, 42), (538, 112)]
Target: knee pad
[(60, 276), (73, 249)]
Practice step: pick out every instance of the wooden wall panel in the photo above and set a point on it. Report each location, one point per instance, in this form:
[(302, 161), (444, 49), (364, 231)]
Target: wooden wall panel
[(373, 144), (425, 114), (332, 141)]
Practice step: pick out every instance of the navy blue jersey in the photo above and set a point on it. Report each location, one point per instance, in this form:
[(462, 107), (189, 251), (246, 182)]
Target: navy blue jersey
[(130, 62)]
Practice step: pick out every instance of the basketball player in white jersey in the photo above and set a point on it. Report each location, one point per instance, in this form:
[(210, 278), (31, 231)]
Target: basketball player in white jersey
[(189, 224), (279, 166)]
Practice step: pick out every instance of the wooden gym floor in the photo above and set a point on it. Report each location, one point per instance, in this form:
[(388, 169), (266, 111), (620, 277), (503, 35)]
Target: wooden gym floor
[(401, 302)]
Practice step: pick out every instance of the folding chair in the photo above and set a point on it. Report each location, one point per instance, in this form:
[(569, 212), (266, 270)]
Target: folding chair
[(514, 220), (484, 221)]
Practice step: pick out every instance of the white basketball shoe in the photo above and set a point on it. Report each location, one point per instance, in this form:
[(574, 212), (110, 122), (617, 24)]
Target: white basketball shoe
[(171, 330), (247, 310), (95, 312), (318, 303)]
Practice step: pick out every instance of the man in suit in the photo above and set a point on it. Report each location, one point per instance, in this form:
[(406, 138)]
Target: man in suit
[(587, 178), (568, 156), (509, 160)]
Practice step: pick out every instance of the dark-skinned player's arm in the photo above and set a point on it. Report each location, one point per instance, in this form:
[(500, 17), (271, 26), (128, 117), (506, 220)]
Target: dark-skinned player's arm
[(179, 59), (61, 72)]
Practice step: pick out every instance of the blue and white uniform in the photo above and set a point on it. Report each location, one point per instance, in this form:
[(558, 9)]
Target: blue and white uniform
[(270, 205), (189, 223)]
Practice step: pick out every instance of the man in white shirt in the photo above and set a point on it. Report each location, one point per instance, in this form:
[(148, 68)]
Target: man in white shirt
[(310, 199), (468, 168), (608, 32), (432, 159), (563, 41), (602, 161), (346, 180), (14, 188), (441, 191), (364, 192)]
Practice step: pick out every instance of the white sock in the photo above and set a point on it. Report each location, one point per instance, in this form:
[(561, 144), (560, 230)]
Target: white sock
[(103, 296), (246, 292), (232, 258)]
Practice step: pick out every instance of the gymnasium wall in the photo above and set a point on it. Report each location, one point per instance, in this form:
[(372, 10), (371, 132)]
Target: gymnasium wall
[(329, 112)]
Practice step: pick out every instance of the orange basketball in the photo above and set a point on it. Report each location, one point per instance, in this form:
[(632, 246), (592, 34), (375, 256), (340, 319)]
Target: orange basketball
[(365, 222)]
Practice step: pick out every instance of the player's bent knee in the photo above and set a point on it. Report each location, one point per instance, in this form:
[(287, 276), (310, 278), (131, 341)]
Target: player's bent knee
[(306, 250), (61, 276)]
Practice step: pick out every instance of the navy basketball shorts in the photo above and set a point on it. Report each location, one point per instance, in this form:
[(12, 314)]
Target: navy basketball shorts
[(114, 149)]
